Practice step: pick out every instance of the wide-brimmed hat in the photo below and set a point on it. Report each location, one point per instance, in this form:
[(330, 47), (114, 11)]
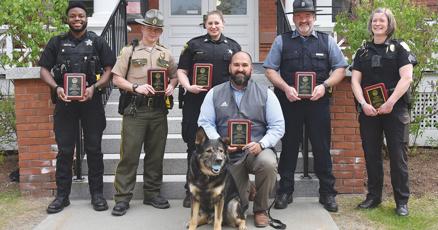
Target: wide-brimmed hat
[(303, 6), (152, 17)]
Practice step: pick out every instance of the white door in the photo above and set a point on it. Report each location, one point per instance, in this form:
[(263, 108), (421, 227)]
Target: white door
[(182, 19)]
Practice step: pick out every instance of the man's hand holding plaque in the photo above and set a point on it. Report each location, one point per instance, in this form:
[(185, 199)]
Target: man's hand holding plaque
[(202, 75), (376, 95), (305, 83), (239, 132), (157, 78), (74, 86)]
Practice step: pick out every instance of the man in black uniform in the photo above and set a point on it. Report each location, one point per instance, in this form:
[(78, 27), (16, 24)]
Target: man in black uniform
[(212, 48), (78, 51)]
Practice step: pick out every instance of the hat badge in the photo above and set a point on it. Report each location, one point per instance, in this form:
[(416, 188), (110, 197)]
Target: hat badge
[(154, 21), (303, 4)]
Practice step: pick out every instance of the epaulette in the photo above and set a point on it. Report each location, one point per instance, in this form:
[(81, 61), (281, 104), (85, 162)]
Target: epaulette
[(230, 39), (161, 45)]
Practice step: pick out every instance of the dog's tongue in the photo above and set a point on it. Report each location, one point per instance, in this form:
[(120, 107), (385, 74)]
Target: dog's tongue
[(216, 168)]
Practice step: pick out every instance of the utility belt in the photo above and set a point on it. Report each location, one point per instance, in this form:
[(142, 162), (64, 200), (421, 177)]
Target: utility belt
[(135, 101), (151, 102)]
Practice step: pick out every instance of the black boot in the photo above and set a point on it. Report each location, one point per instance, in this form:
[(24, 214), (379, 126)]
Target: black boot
[(120, 208), (282, 200), (402, 210), (369, 203), (98, 202), (329, 202), (58, 204)]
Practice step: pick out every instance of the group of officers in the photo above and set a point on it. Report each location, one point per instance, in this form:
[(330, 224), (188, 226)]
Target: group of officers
[(382, 60)]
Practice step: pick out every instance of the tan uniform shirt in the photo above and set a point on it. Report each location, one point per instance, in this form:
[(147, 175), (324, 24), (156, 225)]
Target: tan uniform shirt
[(143, 59)]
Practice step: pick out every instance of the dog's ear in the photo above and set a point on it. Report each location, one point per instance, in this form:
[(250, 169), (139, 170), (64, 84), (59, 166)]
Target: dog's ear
[(201, 136)]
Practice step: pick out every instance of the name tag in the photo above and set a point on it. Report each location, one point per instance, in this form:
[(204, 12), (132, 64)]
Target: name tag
[(319, 54)]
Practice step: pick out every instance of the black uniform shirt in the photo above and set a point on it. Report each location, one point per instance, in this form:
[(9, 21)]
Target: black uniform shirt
[(394, 55), (203, 49), (50, 53)]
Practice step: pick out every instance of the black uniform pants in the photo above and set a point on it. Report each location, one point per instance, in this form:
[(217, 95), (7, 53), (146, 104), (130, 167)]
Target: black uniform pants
[(189, 125), (395, 127), (66, 121), (316, 117)]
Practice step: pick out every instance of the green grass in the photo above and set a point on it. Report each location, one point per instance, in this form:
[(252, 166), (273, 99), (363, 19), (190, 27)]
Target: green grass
[(423, 214)]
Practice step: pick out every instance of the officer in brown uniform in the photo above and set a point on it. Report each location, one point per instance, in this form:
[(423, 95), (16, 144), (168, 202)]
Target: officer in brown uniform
[(145, 117)]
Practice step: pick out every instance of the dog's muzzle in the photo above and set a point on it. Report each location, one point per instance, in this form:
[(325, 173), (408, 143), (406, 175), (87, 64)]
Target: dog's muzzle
[(217, 165)]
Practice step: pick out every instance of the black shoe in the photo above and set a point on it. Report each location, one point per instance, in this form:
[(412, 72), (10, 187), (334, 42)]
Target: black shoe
[(329, 203), (187, 202), (98, 202), (120, 208), (282, 200), (58, 205), (369, 203), (157, 202), (402, 210)]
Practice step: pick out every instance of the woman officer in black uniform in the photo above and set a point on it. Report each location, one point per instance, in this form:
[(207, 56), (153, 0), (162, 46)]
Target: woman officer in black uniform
[(212, 48), (388, 61)]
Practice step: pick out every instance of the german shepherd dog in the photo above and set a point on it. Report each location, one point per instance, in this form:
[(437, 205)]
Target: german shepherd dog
[(214, 193)]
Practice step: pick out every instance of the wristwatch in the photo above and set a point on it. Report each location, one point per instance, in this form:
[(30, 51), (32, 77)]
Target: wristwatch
[(262, 146), (134, 86)]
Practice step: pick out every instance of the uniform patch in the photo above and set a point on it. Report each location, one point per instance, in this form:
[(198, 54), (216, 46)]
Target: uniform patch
[(139, 61), (405, 46), (184, 48), (89, 42), (161, 61)]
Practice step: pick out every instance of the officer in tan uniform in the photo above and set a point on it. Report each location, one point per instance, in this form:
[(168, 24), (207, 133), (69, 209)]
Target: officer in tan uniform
[(145, 117)]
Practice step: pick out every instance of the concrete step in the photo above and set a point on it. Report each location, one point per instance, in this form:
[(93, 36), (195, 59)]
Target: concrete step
[(114, 125), (173, 187), (174, 143), (173, 164)]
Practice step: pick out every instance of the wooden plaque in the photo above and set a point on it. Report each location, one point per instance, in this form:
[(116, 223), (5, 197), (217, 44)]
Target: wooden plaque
[(239, 132), (305, 83), (157, 78), (376, 94), (203, 75), (74, 86)]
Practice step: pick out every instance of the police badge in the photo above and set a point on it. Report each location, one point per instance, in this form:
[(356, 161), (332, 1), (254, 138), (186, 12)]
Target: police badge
[(161, 61)]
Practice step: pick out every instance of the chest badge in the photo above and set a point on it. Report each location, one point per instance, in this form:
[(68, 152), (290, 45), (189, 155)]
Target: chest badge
[(89, 42), (161, 61)]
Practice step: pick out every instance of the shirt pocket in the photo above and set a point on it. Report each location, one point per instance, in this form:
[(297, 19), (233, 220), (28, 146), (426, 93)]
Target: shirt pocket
[(319, 61), (199, 55)]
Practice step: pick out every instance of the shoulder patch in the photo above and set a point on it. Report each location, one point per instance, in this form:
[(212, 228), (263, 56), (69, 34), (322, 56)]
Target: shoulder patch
[(404, 45), (184, 47)]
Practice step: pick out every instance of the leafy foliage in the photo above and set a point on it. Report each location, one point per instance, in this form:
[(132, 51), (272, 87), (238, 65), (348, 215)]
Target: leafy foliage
[(7, 121), (30, 23), (418, 27)]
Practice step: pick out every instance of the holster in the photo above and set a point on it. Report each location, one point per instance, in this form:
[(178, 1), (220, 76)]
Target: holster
[(124, 100)]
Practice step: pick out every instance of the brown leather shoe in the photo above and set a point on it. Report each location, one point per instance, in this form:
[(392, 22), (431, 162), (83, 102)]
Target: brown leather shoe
[(252, 192), (261, 219)]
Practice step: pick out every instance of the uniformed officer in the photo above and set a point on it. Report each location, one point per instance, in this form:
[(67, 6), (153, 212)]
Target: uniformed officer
[(78, 51), (145, 118), (305, 50), (388, 61), (212, 48)]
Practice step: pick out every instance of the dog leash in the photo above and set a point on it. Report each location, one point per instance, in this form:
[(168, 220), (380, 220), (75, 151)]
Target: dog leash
[(275, 223)]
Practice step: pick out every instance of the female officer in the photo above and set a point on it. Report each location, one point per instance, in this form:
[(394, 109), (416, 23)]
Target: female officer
[(212, 48), (389, 62)]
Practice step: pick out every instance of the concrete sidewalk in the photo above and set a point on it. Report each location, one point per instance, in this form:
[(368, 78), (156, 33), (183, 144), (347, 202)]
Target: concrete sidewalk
[(303, 214)]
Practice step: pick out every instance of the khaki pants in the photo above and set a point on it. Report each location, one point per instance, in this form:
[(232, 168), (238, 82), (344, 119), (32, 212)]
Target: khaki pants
[(147, 126), (264, 167)]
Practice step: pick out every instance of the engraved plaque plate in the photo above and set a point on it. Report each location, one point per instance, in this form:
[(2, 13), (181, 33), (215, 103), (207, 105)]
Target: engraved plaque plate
[(305, 83), (157, 78), (239, 132), (74, 86), (203, 75), (376, 94)]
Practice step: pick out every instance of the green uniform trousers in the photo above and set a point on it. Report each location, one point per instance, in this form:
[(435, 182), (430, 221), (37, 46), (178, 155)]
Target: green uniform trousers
[(146, 126)]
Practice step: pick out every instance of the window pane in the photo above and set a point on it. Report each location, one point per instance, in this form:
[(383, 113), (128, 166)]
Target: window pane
[(186, 7), (232, 7)]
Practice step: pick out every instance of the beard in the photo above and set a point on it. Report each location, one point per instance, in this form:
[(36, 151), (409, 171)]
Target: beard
[(305, 29), (240, 78), (83, 27)]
